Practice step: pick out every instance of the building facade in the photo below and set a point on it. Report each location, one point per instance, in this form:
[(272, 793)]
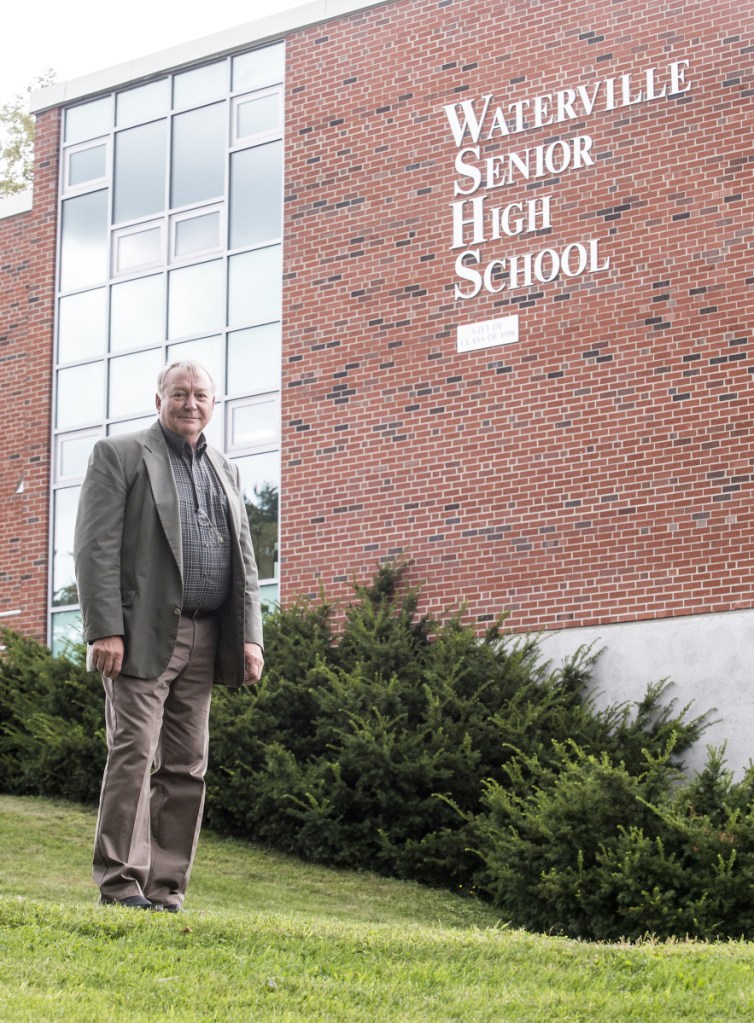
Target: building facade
[(475, 280)]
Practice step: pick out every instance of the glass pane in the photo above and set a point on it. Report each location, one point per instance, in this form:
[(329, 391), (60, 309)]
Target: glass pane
[(254, 359), (88, 120), (140, 171), (255, 423), (63, 575), (73, 454), (82, 325), (87, 165), (81, 392), (143, 104), (206, 350), (200, 85), (197, 300), (260, 482), (259, 115), (133, 383), (136, 250), (137, 315), (197, 234), (259, 67), (256, 195), (255, 287), (66, 630), (269, 595), (199, 142), (83, 245)]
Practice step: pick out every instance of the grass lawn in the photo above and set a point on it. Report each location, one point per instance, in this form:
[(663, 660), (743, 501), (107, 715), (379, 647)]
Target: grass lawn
[(268, 938)]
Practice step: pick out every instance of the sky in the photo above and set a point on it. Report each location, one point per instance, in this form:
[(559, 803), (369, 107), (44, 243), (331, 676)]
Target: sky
[(76, 37)]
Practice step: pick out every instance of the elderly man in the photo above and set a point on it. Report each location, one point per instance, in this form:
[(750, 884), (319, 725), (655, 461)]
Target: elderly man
[(170, 604)]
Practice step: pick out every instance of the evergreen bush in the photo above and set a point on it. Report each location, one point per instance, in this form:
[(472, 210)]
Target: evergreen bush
[(52, 729), (382, 738)]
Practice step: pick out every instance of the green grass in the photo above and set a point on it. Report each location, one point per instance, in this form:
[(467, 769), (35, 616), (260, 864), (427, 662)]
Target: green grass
[(269, 939)]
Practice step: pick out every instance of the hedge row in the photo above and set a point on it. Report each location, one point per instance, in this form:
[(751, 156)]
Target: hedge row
[(381, 738)]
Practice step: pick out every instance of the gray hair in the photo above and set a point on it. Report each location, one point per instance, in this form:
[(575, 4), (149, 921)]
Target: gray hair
[(190, 366)]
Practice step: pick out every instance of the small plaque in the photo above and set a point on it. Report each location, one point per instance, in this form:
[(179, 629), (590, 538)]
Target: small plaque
[(487, 334)]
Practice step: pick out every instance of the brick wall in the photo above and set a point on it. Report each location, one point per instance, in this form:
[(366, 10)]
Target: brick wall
[(27, 260), (600, 469)]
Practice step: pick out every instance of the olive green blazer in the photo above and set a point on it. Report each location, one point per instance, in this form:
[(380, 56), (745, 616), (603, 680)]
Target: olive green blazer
[(127, 553)]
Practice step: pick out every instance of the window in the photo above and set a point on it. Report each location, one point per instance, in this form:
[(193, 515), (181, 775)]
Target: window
[(170, 247), (254, 423), (137, 248), (255, 287), (260, 479), (256, 195), (86, 165), (198, 159), (140, 158), (137, 316), (254, 359), (82, 325), (83, 241), (196, 299), (257, 117), (196, 234)]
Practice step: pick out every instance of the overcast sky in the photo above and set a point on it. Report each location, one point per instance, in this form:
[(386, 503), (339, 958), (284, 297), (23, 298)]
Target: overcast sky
[(76, 37)]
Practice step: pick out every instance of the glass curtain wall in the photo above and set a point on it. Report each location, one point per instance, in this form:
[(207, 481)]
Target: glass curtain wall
[(170, 247)]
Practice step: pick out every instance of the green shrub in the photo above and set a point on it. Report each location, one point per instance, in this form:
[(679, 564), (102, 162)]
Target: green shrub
[(52, 728), (590, 850), (382, 738), (371, 742)]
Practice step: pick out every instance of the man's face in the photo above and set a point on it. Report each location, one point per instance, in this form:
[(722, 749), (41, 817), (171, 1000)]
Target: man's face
[(187, 404)]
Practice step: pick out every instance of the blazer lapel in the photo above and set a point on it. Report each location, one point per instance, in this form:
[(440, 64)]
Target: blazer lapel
[(157, 462)]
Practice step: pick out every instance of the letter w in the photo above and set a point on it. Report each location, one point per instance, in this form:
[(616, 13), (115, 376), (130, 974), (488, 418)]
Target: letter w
[(470, 122)]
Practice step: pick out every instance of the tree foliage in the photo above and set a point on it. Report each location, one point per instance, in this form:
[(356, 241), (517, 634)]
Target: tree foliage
[(17, 138)]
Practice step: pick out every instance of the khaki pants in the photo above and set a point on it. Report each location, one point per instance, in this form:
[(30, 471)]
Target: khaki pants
[(152, 794)]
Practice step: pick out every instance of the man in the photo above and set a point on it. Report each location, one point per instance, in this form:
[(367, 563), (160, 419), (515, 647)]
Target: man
[(170, 605)]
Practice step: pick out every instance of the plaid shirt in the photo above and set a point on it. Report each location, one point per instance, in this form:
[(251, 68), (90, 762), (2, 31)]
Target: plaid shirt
[(205, 536)]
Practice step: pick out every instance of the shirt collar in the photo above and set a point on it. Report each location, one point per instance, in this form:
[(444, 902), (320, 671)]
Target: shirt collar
[(180, 445)]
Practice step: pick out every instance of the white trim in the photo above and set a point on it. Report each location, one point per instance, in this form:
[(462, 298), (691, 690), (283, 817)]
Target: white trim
[(274, 26), (12, 205)]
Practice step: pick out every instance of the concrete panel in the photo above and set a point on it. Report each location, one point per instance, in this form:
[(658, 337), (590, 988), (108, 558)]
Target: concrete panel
[(709, 659)]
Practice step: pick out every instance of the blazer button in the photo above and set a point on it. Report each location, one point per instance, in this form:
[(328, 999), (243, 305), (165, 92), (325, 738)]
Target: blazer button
[(177, 610)]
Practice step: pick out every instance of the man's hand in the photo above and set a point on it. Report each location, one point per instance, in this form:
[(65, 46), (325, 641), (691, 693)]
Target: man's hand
[(253, 662), (107, 655)]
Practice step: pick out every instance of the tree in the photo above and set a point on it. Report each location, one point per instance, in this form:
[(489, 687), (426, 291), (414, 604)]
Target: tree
[(263, 525), (17, 138)]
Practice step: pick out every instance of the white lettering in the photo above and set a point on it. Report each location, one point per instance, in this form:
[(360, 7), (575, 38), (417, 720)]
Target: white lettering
[(476, 220), (527, 268), (471, 123), (652, 93), (482, 119), (678, 81), (542, 114), (492, 267), (505, 169), (467, 171), (628, 101), (565, 101), (468, 273)]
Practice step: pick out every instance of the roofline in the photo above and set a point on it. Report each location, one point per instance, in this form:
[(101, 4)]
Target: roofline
[(274, 26)]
